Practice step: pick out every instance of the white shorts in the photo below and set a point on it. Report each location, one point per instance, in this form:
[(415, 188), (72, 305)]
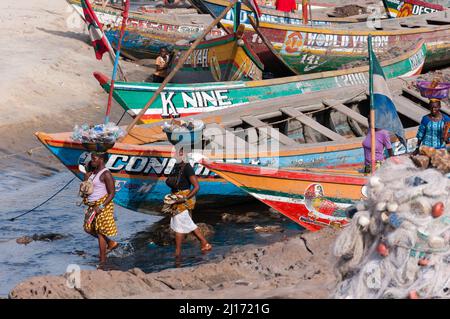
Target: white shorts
[(182, 223)]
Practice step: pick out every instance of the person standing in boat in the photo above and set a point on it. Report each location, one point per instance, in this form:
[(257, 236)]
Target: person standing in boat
[(184, 184), (431, 130), (161, 65), (99, 219), (382, 142), (286, 5)]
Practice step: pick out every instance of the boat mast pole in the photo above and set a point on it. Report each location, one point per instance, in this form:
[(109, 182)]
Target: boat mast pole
[(116, 62), (179, 64), (305, 11), (372, 106)]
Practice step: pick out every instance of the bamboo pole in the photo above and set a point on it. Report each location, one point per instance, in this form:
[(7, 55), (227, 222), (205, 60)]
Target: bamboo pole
[(372, 107), (116, 62), (179, 64), (305, 11)]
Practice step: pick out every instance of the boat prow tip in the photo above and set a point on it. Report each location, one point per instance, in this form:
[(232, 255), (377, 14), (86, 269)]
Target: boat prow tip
[(101, 78)]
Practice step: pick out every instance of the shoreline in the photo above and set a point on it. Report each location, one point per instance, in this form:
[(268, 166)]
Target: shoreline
[(298, 267)]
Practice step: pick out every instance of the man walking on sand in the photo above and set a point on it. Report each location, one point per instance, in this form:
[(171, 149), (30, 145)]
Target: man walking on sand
[(99, 218)]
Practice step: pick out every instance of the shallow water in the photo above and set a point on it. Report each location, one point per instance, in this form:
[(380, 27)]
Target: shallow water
[(63, 216)]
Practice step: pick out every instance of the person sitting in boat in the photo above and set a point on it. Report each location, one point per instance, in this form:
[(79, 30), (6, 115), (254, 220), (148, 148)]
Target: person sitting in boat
[(431, 130), (382, 142), (99, 217), (161, 65), (180, 182), (286, 5)]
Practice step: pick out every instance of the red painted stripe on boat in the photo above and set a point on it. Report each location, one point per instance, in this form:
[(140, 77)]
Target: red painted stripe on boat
[(285, 174)]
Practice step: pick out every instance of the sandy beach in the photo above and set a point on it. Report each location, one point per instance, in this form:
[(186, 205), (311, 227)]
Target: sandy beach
[(47, 82)]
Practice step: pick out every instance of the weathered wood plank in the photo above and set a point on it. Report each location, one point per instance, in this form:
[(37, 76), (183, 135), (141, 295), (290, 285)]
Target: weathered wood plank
[(225, 139), (347, 111), (260, 125), (409, 109), (289, 111)]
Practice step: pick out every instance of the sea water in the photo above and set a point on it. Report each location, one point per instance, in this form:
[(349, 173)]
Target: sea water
[(62, 216)]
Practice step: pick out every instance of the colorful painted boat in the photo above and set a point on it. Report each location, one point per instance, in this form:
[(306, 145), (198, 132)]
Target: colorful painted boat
[(226, 58), (146, 34), (406, 8), (313, 198), (190, 99), (303, 131), (215, 7), (308, 50)]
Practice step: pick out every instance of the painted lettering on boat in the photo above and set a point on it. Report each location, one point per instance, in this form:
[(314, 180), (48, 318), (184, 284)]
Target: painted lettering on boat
[(229, 18), (296, 41), (111, 21), (143, 165), (417, 59), (198, 58), (351, 79), (406, 9), (214, 98)]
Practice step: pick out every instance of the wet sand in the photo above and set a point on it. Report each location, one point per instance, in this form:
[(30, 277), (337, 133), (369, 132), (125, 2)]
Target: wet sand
[(298, 267)]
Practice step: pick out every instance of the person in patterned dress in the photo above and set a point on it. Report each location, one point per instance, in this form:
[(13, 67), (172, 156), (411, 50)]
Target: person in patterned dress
[(431, 130), (99, 216)]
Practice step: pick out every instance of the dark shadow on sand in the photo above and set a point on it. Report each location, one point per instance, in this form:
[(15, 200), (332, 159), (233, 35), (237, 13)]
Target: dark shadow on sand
[(67, 34)]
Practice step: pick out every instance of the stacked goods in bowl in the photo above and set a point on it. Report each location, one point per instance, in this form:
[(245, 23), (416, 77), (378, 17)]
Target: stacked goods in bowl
[(99, 138), (183, 132)]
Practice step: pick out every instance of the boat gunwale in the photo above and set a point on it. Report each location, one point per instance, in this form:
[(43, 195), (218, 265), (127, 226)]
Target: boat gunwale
[(340, 29), (145, 86), (285, 174)]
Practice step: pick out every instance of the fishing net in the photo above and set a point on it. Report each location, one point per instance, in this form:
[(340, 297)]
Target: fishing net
[(397, 245)]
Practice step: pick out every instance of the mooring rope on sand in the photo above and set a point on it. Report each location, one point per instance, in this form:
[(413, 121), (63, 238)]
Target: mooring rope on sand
[(29, 152), (46, 201)]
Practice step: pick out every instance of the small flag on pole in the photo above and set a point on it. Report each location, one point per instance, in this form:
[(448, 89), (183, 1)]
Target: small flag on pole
[(386, 116), (99, 41)]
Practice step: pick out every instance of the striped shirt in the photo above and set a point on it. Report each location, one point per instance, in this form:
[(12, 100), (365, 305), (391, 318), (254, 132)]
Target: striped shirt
[(431, 132)]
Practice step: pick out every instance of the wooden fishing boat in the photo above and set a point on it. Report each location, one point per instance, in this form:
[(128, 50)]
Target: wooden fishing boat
[(313, 130), (189, 99), (313, 198), (316, 49), (227, 58), (146, 34), (215, 7), (405, 8)]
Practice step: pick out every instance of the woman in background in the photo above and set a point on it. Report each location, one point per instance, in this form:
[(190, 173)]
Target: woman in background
[(382, 142)]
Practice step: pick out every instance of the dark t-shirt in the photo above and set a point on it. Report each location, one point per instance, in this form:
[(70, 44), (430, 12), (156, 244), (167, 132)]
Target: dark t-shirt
[(183, 181)]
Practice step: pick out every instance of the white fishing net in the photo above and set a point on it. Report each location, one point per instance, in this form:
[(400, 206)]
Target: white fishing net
[(397, 245)]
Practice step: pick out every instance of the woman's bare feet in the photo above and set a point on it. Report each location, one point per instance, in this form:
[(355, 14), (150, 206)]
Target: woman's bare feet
[(206, 247), (112, 245)]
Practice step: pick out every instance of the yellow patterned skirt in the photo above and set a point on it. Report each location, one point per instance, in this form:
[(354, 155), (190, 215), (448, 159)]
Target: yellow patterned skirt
[(188, 205), (102, 223)]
